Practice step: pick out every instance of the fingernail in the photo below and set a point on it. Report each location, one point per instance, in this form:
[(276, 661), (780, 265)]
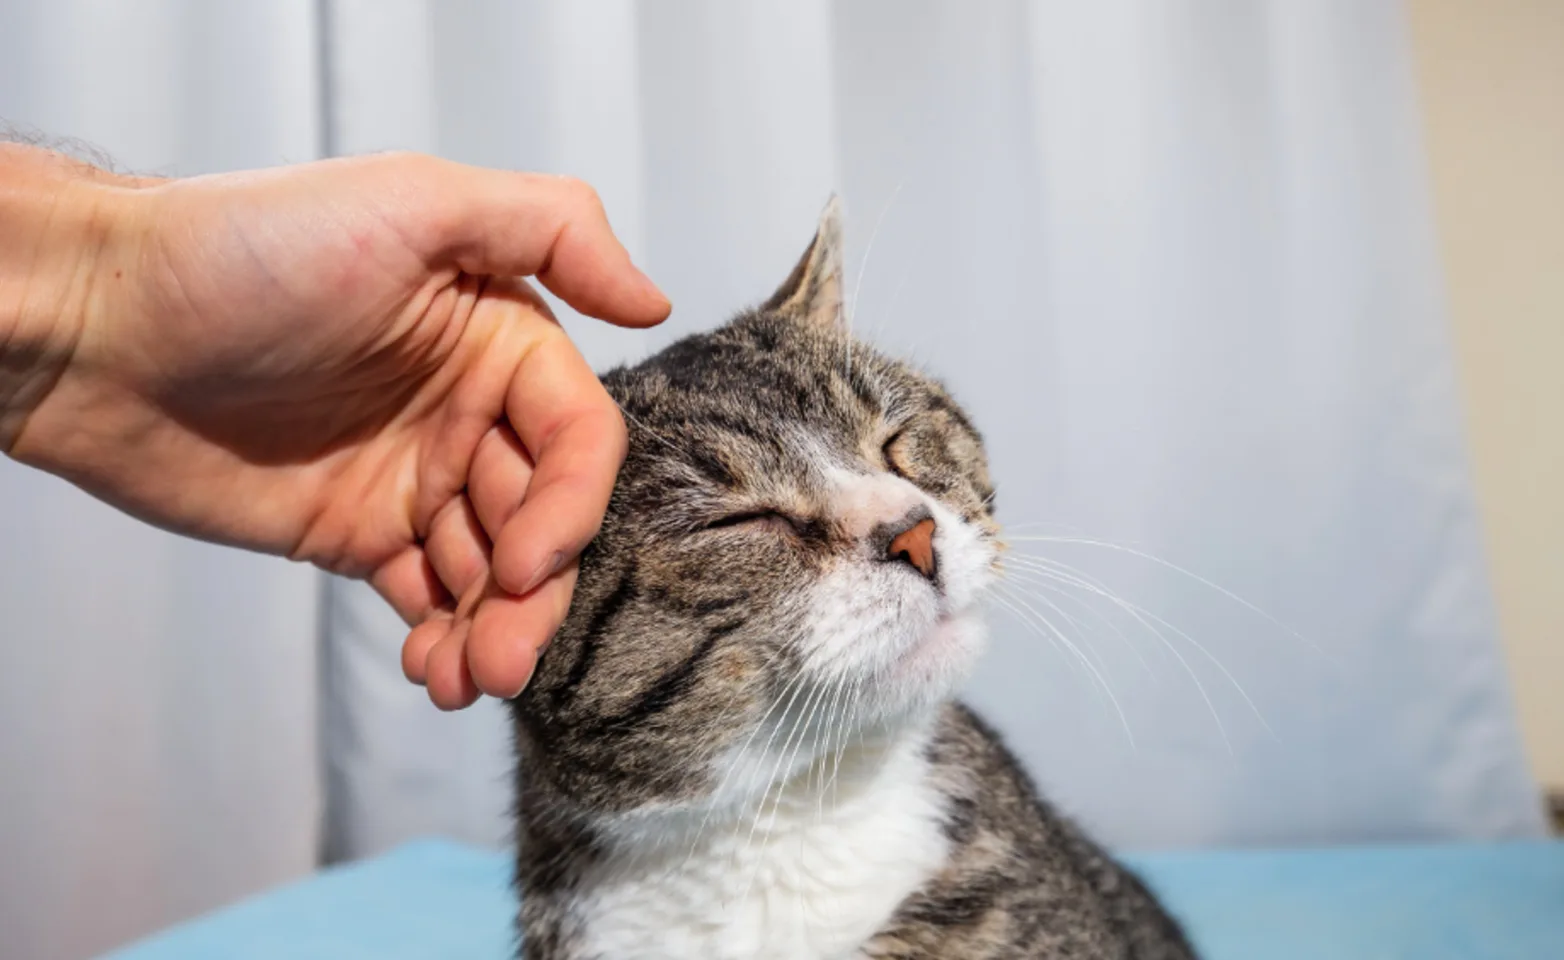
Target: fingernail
[(525, 683), (545, 570)]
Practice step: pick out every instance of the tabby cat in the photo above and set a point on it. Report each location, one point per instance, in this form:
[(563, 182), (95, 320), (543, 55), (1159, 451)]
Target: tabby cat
[(743, 743)]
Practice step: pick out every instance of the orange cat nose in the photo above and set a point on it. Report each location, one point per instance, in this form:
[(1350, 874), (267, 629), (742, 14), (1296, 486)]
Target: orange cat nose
[(916, 546)]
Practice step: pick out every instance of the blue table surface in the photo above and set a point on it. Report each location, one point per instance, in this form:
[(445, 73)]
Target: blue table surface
[(1463, 902)]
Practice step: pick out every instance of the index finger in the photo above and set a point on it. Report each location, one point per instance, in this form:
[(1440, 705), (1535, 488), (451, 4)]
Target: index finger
[(573, 430), (503, 223)]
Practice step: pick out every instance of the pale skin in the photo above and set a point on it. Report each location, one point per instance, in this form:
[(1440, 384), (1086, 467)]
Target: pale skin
[(336, 362)]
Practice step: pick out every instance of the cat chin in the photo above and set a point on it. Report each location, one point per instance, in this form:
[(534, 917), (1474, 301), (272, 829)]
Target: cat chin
[(933, 668)]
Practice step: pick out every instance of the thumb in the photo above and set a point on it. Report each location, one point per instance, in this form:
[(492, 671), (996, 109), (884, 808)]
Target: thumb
[(502, 223)]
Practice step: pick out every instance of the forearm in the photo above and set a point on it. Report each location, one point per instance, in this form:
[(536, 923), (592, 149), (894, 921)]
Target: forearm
[(55, 224)]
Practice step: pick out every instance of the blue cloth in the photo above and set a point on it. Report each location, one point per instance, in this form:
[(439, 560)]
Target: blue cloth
[(1474, 902)]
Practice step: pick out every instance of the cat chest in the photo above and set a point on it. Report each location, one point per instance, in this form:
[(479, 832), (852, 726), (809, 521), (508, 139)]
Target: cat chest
[(813, 885)]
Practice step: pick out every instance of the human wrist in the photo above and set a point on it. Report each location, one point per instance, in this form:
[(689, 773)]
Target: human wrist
[(57, 225)]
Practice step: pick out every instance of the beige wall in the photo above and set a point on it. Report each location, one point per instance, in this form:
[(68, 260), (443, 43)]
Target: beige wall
[(1491, 74)]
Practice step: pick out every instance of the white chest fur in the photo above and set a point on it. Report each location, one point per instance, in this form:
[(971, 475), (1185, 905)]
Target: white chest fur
[(813, 884)]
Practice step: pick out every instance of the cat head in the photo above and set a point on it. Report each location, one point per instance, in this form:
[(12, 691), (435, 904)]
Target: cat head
[(793, 554)]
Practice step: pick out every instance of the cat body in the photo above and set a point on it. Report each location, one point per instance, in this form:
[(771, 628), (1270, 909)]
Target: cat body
[(743, 742)]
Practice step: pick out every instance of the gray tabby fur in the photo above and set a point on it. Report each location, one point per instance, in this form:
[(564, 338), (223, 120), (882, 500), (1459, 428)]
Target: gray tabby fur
[(681, 635)]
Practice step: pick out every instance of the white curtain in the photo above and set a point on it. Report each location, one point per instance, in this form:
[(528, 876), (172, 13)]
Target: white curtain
[(158, 728), (1175, 257)]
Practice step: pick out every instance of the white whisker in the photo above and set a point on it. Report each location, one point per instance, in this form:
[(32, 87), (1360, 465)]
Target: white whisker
[(1152, 558), (1101, 680), (863, 269), (905, 276), (1136, 613), (1022, 572), (1068, 576), (794, 684), (830, 729), (849, 728), (779, 776), (649, 431)]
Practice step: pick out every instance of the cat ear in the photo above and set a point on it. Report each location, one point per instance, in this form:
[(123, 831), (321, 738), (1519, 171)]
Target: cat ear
[(812, 293)]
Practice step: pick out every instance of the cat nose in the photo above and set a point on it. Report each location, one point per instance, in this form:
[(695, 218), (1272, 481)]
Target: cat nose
[(915, 545)]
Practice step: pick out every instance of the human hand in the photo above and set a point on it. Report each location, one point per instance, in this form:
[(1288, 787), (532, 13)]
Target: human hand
[(332, 362)]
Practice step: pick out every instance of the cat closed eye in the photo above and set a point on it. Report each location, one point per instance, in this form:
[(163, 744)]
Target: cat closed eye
[(755, 518), (888, 454)]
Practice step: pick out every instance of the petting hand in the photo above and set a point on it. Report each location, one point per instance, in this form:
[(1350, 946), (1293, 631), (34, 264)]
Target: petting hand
[(333, 362)]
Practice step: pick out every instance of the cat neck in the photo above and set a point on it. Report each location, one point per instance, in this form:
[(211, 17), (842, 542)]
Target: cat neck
[(764, 795), (812, 871)]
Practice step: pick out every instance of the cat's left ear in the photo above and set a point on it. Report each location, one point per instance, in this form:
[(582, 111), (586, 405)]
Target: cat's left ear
[(812, 293)]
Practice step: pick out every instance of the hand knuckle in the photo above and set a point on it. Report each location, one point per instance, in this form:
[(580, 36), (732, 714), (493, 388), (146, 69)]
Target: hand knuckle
[(583, 194)]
